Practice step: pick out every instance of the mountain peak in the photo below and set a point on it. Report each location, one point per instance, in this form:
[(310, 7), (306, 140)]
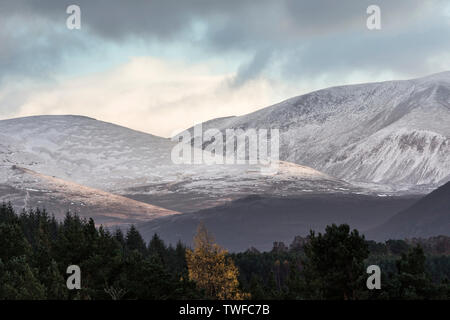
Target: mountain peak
[(392, 133)]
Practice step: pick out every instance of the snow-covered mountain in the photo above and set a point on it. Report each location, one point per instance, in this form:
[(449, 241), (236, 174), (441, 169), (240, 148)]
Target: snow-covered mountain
[(391, 135), (82, 150), (394, 134), (118, 160), (28, 189)]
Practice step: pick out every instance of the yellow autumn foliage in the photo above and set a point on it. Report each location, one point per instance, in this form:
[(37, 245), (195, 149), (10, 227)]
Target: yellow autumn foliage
[(212, 270)]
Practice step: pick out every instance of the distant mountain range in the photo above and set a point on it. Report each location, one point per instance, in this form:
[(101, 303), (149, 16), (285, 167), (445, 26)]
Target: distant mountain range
[(392, 134), (358, 154), (427, 217), (258, 221), (102, 156)]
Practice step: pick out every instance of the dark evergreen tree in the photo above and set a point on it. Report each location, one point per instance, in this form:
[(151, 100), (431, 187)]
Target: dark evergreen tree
[(36, 250), (157, 249), (412, 281), (134, 241), (333, 267), (18, 281), (13, 242)]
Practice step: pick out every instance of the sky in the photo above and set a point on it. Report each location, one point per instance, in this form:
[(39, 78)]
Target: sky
[(160, 66)]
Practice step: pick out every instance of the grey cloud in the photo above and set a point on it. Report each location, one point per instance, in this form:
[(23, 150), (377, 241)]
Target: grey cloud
[(406, 52), (32, 44), (331, 33), (252, 69), (257, 20)]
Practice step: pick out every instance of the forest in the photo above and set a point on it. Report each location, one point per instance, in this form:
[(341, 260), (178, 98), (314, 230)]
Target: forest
[(36, 251)]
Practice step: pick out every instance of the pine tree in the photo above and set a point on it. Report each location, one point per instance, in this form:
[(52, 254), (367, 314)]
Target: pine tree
[(18, 281), (134, 241), (12, 242), (54, 282), (412, 281), (7, 214), (118, 235), (157, 249), (334, 264)]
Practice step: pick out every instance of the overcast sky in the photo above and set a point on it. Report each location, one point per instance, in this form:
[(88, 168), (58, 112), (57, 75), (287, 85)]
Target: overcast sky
[(160, 66)]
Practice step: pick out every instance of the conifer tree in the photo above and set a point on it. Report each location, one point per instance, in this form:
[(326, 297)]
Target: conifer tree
[(157, 249), (333, 267), (19, 282), (134, 241)]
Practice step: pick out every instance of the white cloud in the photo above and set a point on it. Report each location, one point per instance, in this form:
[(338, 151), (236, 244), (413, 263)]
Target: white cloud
[(153, 95)]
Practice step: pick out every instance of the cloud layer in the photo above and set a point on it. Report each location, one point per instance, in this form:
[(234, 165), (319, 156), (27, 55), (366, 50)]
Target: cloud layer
[(151, 94), (217, 57)]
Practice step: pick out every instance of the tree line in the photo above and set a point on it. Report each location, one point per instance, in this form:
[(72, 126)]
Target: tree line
[(36, 249)]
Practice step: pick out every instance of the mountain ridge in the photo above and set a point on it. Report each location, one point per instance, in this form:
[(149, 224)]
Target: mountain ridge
[(429, 216), (137, 165), (322, 130)]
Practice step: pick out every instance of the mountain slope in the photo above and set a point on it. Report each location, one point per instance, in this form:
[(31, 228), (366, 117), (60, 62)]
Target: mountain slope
[(122, 161), (75, 148), (430, 216), (395, 133), (28, 189), (258, 221)]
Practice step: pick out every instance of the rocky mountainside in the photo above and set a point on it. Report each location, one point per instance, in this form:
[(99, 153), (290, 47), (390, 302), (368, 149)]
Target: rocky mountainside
[(392, 134)]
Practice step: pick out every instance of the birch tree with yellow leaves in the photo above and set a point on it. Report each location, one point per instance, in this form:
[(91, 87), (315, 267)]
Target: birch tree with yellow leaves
[(211, 269)]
